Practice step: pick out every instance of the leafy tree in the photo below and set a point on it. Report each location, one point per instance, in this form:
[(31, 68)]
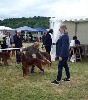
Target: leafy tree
[(36, 21)]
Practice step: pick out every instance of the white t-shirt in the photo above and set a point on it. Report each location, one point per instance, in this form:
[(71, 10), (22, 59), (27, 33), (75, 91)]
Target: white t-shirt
[(8, 41)]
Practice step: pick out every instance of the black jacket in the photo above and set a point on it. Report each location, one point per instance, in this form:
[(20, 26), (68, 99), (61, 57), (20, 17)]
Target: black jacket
[(17, 41), (62, 46), (48, 41)]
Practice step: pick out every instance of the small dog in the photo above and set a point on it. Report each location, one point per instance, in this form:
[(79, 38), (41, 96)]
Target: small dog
[(28, 62), (5, 56)]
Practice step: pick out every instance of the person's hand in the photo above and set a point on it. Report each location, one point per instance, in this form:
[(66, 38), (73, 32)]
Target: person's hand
[(60, 59), (17, 34), (44, 45), (21, 49)]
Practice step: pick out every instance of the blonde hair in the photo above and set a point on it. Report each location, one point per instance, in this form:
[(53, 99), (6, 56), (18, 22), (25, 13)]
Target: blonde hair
[(64, 27)]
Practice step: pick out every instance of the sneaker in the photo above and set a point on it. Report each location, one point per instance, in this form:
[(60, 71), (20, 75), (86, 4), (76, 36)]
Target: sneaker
[(66, 79), (55, 82)]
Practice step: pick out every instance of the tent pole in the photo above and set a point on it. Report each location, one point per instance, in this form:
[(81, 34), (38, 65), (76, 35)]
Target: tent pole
[(76, 28)]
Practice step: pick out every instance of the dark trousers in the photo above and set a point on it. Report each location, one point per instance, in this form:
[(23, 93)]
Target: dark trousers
[(32, 69), (62, 64), (17, 56), (48, 49)]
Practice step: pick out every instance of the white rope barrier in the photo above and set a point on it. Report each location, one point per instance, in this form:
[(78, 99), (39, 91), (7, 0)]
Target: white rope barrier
[(11, 48)]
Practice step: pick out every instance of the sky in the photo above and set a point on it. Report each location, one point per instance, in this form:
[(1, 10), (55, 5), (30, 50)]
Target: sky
[(46, 8)]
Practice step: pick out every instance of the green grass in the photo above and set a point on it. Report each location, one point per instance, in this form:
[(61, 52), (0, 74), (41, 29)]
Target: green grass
[(13, 86)]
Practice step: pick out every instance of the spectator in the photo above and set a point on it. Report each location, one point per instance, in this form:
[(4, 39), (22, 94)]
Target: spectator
[(8, 40), (48, 41), (77, 43), (43, 40), (31, 37), (3, 44), (18, 44)]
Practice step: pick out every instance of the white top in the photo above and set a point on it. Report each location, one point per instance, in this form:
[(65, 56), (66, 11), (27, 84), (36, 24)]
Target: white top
[(72, 43), (8, 41)]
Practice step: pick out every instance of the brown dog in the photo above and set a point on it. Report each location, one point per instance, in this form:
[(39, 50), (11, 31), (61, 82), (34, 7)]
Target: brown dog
[(48, 57), (28, 62), (5, 56), (13, 52)]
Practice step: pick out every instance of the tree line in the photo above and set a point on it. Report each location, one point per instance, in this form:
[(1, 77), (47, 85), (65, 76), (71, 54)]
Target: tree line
[(36, 21)]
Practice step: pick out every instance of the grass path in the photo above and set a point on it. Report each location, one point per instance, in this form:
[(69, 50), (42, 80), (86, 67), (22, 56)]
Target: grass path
[(13, 86)]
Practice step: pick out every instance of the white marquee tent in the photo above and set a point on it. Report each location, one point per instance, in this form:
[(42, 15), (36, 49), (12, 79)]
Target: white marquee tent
[(76, 26), (3, 29)]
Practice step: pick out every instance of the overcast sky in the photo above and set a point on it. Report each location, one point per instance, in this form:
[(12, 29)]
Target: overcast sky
[(48, 8)]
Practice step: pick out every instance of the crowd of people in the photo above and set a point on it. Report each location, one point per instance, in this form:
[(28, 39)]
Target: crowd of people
[(62, 49)]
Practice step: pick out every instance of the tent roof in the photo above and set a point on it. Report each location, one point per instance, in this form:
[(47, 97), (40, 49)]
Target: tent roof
[(5, 28), (74, 19), (26, 28), (41, 29)]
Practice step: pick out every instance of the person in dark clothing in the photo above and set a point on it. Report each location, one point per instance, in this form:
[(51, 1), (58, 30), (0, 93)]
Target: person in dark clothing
[(62, 52), (43, 40), (18, 44), (4, 45), (31, 37), (77, 43), (48, 41)]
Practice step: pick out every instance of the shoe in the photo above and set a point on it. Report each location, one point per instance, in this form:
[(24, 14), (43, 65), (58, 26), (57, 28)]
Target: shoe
[(66, 79), (55, 82)]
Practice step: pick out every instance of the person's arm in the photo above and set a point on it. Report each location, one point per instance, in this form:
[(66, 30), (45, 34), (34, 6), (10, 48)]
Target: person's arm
[(57, 50), (24, 49), (43, 57)]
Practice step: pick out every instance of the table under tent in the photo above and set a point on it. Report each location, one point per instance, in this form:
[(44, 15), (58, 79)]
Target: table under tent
[(75, 27)]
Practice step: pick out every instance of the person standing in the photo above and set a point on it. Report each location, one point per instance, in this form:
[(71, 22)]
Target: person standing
[(43, 40), (3, 44), (62, 52), (48, 41), (18, 44), (8, 39)]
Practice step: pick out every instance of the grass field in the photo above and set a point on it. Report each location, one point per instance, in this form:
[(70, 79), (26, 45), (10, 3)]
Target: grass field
[(13, 86)]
